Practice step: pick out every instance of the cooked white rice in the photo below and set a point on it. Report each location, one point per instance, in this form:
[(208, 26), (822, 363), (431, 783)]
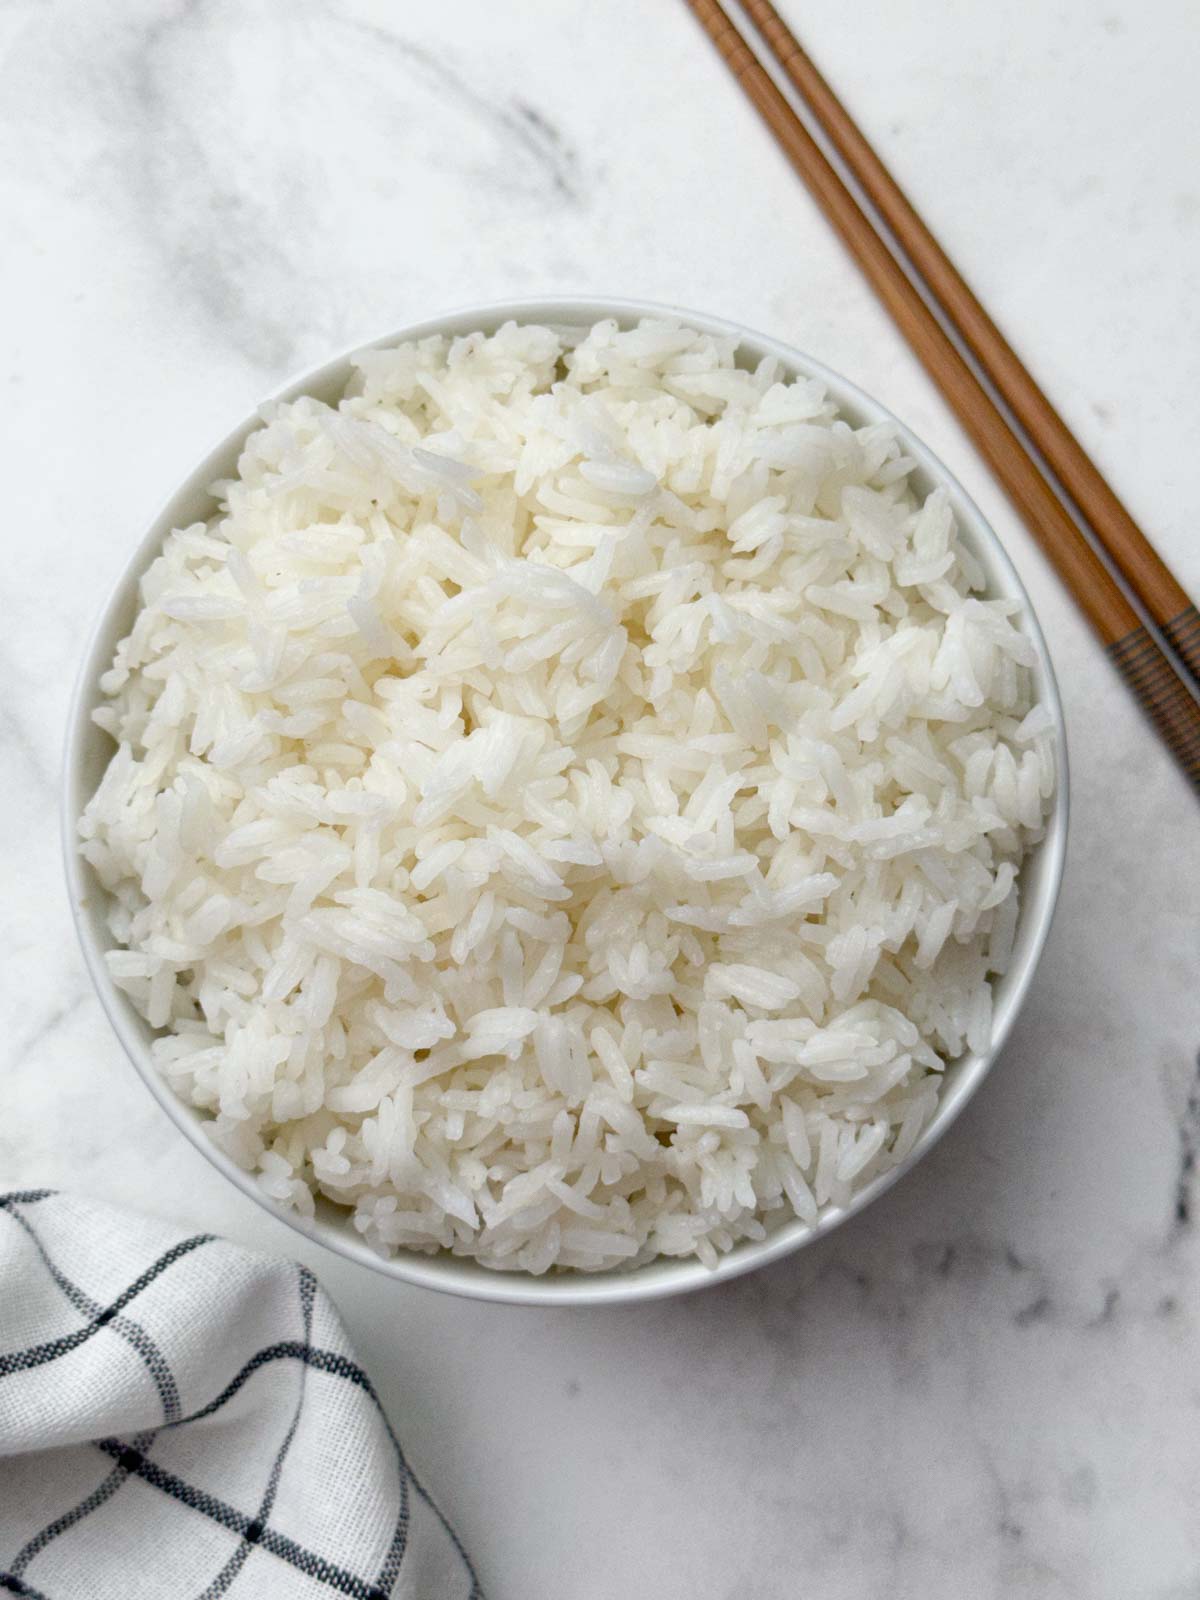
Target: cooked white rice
[(568, 803)]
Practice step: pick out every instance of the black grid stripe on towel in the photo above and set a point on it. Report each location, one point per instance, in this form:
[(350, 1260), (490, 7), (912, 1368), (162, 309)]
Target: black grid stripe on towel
[(418, 1554)]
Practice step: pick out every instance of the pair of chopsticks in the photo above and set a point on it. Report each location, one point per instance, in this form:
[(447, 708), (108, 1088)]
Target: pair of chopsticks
[(1147, 624)]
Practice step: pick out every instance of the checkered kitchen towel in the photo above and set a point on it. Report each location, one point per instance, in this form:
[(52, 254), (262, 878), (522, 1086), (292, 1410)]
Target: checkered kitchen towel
[(180, 1419)]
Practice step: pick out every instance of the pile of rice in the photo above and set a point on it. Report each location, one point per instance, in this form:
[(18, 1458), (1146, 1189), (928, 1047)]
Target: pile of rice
[(568, 802)]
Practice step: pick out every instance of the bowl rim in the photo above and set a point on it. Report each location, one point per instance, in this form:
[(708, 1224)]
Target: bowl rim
[(463, 1275)]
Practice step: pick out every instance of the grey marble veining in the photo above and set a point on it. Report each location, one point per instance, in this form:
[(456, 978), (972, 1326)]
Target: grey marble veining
[(989, 1384)]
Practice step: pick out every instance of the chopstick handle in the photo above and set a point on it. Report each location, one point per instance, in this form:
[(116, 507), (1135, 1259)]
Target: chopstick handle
[(1153, 682), (1182, 633), (1174, 713), (1131, 552)]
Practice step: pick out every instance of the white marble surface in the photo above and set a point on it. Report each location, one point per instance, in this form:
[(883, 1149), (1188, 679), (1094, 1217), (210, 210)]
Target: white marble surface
[(989, 1385)]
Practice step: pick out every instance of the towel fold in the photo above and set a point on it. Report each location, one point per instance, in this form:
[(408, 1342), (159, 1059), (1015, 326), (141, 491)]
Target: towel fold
[(181, 1418)]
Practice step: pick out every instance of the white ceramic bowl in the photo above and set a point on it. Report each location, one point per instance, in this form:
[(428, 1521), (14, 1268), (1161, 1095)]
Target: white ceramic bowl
[(88, 751)]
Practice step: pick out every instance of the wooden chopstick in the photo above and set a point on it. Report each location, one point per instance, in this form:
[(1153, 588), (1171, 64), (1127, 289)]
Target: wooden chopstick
[(1139, 563), (1132, 648)]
